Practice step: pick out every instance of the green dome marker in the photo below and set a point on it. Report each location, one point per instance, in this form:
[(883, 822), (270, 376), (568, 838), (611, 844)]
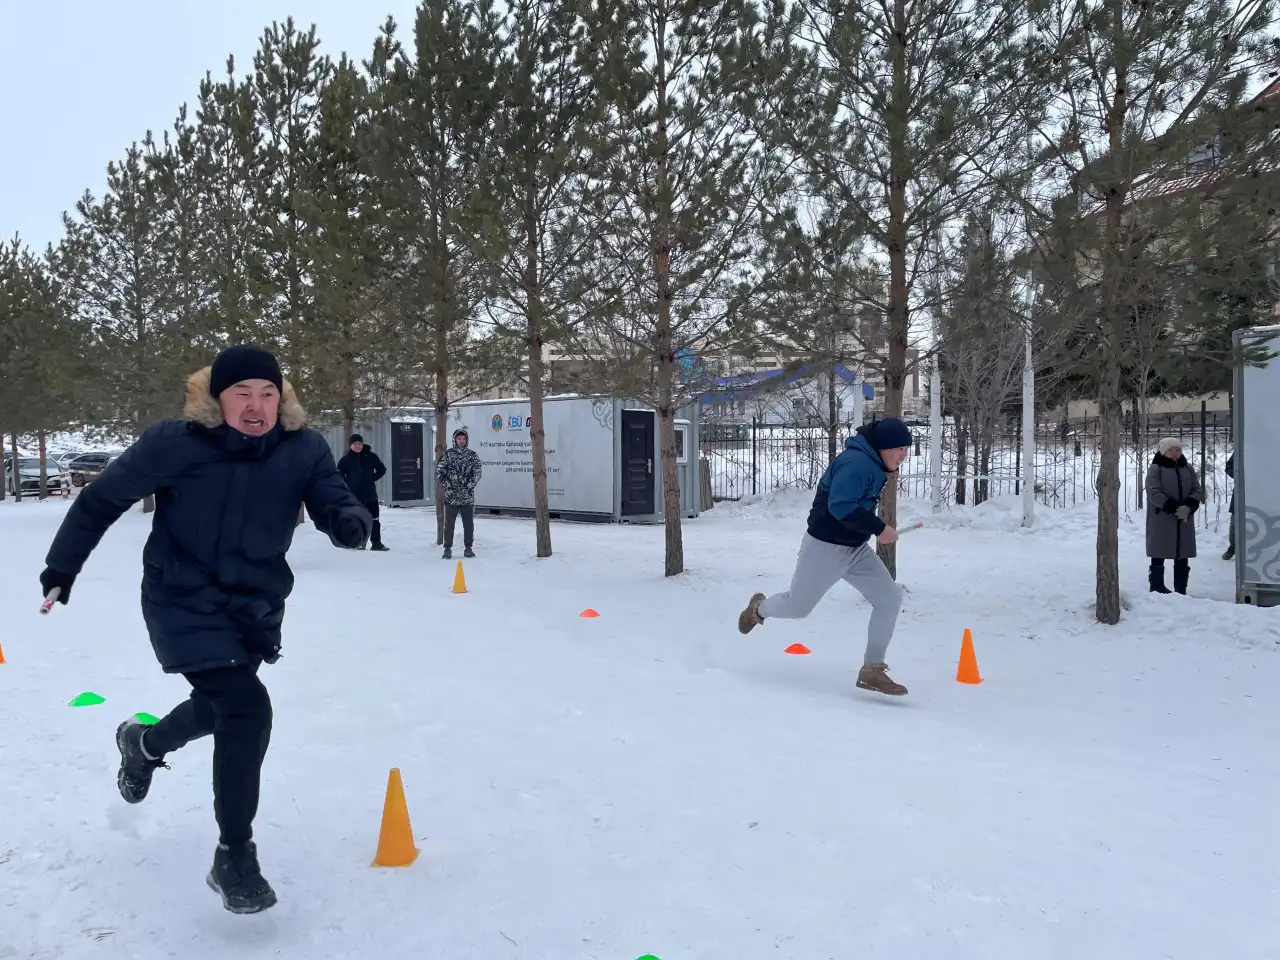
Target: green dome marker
[(86, 700), (648, 956), (146, 718)]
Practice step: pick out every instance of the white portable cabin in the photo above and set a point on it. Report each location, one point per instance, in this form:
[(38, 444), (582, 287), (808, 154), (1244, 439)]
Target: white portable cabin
[(604, 459), (1256, 425), (404, 443)]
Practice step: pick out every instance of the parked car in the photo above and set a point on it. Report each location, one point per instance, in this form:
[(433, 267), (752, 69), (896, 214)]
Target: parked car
[(29, 476), (87, 466)]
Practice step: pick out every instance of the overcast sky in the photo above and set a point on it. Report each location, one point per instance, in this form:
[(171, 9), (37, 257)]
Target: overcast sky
[(82, 79)]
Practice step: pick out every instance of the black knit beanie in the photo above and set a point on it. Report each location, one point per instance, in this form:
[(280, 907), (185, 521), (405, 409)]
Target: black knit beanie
[(355, 438), (243, 362)]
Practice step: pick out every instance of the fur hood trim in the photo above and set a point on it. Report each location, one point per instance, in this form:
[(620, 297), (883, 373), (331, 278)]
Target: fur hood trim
[(203, 408)]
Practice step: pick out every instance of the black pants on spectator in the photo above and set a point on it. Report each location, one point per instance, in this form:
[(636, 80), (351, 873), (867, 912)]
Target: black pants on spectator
[(376, 535), (232, 704), (468, 513)]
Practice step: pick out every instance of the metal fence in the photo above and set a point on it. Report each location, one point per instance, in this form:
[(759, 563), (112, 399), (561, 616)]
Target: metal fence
[(745, 459)]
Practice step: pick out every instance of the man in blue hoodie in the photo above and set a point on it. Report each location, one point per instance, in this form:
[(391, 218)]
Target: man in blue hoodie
[(835, 547)]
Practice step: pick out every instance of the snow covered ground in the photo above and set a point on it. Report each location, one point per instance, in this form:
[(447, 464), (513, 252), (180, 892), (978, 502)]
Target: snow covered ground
[(650, 782)]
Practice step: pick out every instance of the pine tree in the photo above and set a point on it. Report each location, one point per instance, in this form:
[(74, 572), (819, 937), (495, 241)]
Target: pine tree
[(288, 74), (904, 112), (537, 165), (1137, 89), (112, 264), (686, 184), (225, 173), (342, 243), (433, 110)]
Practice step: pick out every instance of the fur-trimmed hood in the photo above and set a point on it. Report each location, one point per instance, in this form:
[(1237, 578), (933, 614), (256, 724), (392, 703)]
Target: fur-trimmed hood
[(203, 408)]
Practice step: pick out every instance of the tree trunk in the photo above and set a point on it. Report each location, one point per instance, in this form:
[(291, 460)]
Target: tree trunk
[(673, 563), (16, 468), (962, 457), (44, 465), (833, 417), (895, 374), (538, 433), (442, 425), (1108, 563)]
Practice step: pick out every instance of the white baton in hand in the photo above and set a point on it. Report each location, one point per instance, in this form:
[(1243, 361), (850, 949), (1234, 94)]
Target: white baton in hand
[(49, 599), (901, 530)]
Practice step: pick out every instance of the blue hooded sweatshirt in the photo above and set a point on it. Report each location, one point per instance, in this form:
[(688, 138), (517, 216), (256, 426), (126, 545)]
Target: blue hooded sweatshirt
[(844, 507)]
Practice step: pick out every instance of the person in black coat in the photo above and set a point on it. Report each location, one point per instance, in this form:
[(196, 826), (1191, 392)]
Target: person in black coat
[(1230, 553), (228, 480), (362, 469)]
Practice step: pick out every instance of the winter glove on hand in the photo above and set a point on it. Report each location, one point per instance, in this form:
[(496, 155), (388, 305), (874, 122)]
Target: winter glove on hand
[(349, 528), (1183, 512), (56, 578), (1170, 505)]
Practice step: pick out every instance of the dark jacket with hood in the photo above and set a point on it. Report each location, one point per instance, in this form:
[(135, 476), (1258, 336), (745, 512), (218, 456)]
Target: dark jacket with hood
[(459, 471), (361, 471), (214, 575), (1171, 484), (844, 506)]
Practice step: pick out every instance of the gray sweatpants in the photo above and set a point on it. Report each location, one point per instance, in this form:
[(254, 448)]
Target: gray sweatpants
[(818, 568)]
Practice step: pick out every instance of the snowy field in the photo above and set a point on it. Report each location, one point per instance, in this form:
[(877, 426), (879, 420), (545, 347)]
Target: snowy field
[(650, 782)]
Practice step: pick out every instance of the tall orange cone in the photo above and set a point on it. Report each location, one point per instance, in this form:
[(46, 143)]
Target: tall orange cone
[(1, 654), (968, 671), (459, 581), (395, 839)]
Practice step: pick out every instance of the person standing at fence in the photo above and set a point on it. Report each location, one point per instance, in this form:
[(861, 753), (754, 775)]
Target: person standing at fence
[(1174, 495), (458, 473), (835, 547), (361, 468), (1231, 512)]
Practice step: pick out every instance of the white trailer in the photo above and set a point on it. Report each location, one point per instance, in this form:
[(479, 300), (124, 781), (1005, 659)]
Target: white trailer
[(603, 457), (1256, 425)]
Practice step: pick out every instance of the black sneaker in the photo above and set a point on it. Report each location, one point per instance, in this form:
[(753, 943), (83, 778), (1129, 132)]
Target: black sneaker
[(379, 548), (468, 552), (136, 768), (237, 878), (448, 554)]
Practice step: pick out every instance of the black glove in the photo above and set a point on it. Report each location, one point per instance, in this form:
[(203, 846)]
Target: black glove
[(56, 578), (1170, 505), (350, 528)]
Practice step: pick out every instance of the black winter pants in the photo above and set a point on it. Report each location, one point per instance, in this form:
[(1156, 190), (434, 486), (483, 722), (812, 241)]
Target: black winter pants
[(468, 513), (376, 535), (232, 704)]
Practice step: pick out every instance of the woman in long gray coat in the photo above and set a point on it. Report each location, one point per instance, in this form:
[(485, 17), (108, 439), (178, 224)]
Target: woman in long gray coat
[(1174, 495)]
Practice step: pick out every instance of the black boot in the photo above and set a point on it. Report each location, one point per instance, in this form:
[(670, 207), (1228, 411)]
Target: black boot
[(468, 552), (1181, 574), (379, 548), (136, 768), (1156, 577), (448, 554), (237, 878)]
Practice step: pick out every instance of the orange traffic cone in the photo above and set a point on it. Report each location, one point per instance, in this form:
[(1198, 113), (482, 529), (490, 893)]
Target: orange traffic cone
[(1, 654), (968, 670), (588, 613), (395, 839), (459, 581)]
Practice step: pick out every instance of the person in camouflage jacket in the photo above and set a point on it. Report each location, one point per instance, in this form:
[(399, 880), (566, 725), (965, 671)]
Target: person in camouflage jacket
[(458, 472)]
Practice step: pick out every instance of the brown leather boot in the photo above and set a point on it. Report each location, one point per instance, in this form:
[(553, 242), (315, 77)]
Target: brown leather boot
[(874, 677), (750, 618)]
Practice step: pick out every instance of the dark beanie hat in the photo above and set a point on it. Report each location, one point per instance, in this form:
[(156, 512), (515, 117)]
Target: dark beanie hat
[(889, 433), (243, 362), (355, 438)]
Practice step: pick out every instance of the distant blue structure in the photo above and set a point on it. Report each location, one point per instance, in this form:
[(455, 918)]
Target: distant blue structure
[(748, 386)]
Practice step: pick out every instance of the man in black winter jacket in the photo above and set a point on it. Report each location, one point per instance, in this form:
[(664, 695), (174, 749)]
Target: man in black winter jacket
[(228, 480), (362, 469)]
